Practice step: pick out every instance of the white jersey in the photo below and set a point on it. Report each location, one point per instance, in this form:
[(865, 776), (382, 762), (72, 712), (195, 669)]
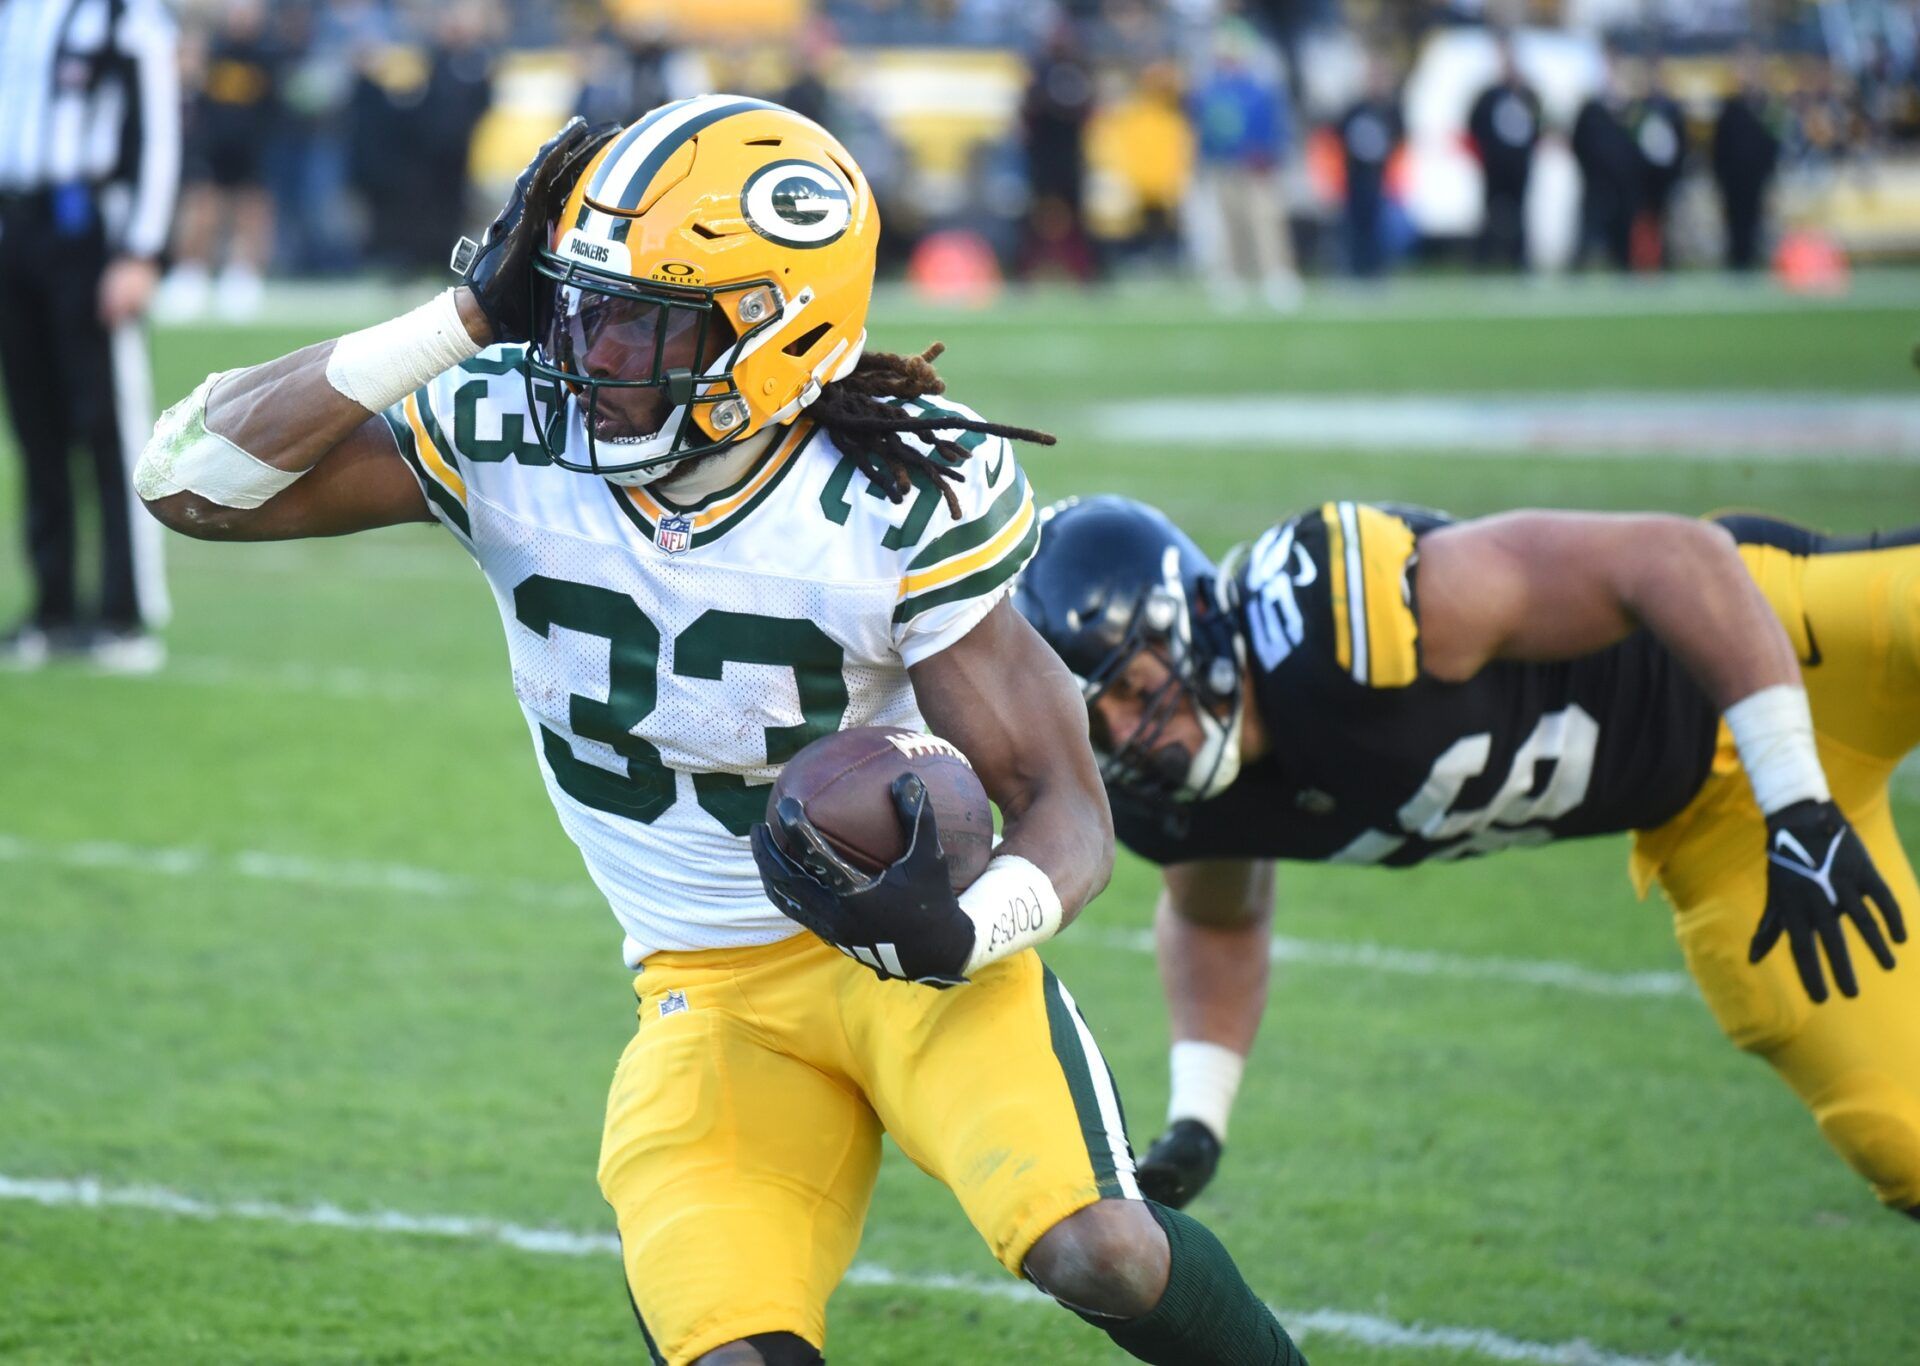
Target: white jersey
[(670, 660)]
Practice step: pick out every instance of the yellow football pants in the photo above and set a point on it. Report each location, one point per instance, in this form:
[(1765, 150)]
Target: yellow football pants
[(743, 1126), (1856, 1063)]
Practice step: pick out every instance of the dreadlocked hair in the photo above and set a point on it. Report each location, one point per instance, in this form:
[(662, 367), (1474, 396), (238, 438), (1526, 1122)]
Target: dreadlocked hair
[(862, 414)]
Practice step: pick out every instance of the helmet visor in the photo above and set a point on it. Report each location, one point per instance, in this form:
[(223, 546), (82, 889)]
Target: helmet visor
[(635, 355)]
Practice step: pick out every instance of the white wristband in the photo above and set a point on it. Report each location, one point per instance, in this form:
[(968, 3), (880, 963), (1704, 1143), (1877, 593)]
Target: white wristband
[(1013, 906), (1773, 730), (182, 456), (380, 365)]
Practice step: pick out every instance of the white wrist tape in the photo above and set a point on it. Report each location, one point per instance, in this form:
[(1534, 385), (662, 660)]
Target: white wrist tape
[(182, 456), (380, 365), (1773, 729), (1206, 1078), (1013, 906)]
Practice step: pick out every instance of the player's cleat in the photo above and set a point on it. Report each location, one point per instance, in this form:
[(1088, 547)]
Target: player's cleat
[(118, 650), (25, 648), (1179, 1164)]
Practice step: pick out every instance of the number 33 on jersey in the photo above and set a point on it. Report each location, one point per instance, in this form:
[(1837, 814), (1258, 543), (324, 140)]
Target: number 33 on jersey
[(668, 660)]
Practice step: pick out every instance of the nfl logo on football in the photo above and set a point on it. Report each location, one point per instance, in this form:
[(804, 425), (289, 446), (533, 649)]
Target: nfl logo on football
[(674, 534)]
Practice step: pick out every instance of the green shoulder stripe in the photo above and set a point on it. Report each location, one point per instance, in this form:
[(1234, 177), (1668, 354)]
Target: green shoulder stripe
[(975, 584), (958, 540), (432, 424), (441, 496)]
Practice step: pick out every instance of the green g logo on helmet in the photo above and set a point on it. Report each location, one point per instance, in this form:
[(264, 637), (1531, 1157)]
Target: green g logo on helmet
[(797, 204)]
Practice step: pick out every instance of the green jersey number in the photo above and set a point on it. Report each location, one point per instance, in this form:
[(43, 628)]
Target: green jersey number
[(645, 790), (836, 507)]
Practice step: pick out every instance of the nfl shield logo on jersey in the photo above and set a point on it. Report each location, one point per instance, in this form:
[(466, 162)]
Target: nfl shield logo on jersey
[(674, 534)]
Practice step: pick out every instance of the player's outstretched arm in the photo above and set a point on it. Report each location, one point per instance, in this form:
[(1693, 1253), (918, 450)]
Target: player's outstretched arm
[(1539, 586), (1555, 585), (296, 447), (1210, 933)]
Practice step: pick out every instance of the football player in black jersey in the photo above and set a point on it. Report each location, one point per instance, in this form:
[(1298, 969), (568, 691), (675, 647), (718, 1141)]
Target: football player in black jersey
[(1380, 685)]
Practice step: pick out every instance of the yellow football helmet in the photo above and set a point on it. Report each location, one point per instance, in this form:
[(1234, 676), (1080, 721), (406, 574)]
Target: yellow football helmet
[(710, 271)]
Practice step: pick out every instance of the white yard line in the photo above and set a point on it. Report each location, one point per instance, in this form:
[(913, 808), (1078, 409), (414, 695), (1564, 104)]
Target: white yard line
[(328, 680), (1406, 301), (1383, 958), (1372, 1330), (260, 866), (343, 305), (406, 880), (1742, 428), (345, 682), (388, 558)]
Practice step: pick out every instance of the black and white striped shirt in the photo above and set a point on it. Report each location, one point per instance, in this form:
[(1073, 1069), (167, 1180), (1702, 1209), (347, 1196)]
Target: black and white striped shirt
[(90, 95)]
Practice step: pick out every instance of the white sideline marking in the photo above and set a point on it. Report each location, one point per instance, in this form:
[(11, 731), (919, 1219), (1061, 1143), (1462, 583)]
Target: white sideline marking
[(1372, 1330), (390, 560), (1428, 963), (344, 305), (1705, 426), (402, 879), (354, 684), (258, 865), (344, 682)]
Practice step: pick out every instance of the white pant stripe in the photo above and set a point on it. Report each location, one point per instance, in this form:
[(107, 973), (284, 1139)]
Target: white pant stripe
[(1109, 1099)]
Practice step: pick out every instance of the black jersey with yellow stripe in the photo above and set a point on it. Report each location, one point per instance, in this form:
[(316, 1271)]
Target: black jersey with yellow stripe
[(1374, 761)]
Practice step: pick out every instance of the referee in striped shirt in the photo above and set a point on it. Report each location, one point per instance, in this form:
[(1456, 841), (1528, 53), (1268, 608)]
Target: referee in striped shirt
[(89, 169)]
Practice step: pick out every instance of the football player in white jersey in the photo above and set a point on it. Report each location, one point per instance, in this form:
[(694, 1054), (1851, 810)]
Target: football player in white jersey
[(717, 528)]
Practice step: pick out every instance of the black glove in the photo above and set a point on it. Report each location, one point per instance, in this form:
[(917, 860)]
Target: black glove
[(1817, 872), (499, 268), (903, 922)]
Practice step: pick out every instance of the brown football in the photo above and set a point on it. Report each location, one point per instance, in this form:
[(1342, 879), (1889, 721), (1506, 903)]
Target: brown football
[(843, 780)]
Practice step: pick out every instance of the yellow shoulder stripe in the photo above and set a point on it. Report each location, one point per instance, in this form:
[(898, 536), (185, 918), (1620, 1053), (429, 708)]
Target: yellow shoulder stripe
[(1004, 540), (430, 458), (1376, 635), (1337, 584)]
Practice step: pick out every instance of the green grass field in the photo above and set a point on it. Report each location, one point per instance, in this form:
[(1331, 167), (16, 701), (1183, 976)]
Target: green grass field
[(294, 959)]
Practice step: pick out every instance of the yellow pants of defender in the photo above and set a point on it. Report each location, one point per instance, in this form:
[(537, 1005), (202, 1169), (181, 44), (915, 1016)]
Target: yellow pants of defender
[(1855, 1063), (743, 1126)]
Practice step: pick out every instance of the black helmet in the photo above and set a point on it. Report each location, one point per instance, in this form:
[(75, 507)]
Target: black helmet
[(1113, 577)]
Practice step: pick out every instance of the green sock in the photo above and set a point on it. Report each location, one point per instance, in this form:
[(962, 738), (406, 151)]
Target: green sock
[(1208, 1315)]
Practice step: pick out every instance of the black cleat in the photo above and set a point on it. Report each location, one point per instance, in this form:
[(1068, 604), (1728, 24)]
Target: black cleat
[(1179, 1164)]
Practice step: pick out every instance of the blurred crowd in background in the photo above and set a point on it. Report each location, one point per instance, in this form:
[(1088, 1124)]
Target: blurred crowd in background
[(1250, 142)]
